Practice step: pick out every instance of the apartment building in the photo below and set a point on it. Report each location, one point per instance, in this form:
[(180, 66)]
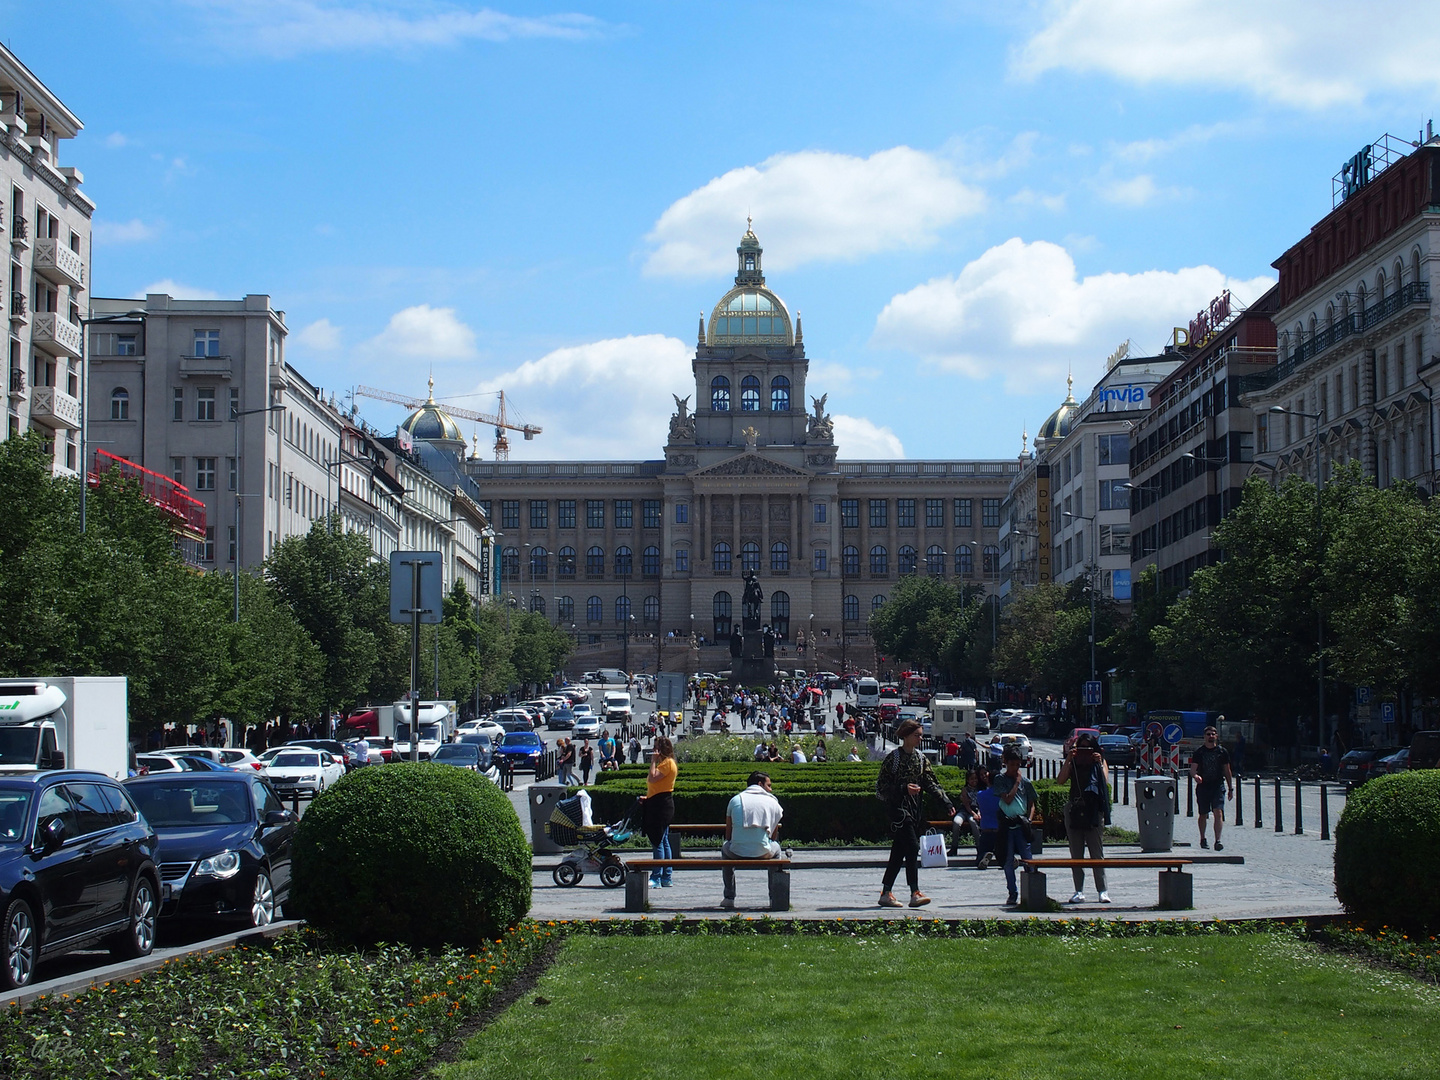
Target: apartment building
[(47, 219)]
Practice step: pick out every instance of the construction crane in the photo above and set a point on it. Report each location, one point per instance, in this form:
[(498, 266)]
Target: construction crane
[(501, 424)]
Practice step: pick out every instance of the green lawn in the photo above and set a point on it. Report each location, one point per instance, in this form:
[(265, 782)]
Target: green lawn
[(707, 1008)]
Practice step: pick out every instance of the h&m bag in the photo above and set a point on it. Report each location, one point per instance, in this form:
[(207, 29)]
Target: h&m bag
[(932, 850)]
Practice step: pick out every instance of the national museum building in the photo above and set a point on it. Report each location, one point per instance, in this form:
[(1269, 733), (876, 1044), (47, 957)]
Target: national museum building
[(750, 480)]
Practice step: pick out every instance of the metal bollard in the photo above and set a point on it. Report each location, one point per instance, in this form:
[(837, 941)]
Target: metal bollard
[(1127, 785), (1299, 821), (1279, 824), (1259, 812), (1239, 802), (1189, 795), (1175, 789), (1324, 812)]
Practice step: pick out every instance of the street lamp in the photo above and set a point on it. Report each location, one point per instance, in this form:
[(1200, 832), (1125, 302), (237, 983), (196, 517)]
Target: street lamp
[(235, 415), (85, 395), (1319, 558), (342, 460), (1091, 568)]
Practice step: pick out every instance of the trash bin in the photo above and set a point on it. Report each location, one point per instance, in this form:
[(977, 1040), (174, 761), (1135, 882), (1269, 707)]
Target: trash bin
[(542, 799), (1155, 809)]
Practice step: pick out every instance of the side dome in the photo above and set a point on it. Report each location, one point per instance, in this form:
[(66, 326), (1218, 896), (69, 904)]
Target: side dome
[(1059, 423), (431, 423)]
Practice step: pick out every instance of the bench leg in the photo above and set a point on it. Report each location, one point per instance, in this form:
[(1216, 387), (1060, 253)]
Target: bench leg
[(779, 890), (637, 890), (1177, 890), (1032, 891)]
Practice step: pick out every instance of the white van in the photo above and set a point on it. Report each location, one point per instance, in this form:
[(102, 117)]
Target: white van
[(952, 716), (613, 675), (617, 707), (867, 694)]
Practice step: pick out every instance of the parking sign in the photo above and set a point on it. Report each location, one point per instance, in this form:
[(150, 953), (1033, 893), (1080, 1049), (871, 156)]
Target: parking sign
[(1387, 712)]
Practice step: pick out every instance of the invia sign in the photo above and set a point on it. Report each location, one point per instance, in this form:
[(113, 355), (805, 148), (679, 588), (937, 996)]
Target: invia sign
[(1126, 396)]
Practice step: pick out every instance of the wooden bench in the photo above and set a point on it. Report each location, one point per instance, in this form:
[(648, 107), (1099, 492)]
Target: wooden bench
[(1177, 888), (637, 877)]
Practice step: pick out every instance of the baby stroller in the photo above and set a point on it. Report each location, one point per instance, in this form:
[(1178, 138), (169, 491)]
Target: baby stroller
[(592, 843)]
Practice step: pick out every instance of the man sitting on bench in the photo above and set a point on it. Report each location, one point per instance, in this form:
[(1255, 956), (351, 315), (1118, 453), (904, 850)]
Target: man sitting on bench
[(752, 822)]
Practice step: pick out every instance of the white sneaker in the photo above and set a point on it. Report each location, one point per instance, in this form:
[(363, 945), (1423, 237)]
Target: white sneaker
[(1104, 897), (1078, 898)]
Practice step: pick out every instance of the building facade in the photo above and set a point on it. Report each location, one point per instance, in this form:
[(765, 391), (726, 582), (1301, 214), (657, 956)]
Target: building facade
[(750, 480), (48, 222)]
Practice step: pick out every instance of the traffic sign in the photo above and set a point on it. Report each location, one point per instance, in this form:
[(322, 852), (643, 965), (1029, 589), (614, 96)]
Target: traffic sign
[(1174, 733), (1387, 712), (1152, 730), (1362, 695), (1092, 692), (403, 567), (1132, 708)]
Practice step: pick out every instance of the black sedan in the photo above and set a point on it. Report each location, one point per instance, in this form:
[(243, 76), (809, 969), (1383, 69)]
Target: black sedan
[(1360, 765), (1117, 749), (77, 868), (225, 844)]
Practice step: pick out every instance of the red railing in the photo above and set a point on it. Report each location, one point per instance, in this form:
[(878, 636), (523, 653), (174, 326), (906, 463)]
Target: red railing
[(175, 499)]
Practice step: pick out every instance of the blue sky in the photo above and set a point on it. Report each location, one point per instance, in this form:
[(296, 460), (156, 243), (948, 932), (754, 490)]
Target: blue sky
[(963, 199)]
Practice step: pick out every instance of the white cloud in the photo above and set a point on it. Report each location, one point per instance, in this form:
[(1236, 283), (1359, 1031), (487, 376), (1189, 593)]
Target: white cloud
[(1137, 191), (863, 440), (321, 335), (1028, 197), (1021, 311), (123, 232), (116, 139), (422, 332), (812, 206), (604, 399), (173, 288), (284, 29), (1312, 54)]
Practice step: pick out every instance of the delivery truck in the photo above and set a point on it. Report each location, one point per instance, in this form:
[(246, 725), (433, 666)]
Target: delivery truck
[(65, 722)]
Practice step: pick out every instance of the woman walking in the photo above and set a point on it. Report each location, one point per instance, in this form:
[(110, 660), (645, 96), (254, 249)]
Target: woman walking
[(1087, 810), (587, 762), (659, 810), (565, 763), (905, 775)]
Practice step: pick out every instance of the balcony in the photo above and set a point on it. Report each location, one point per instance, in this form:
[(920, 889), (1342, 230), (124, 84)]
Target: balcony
[(17, 382), (54, 334), (210, 366), (18, 307), (53, 407), (55, 261), (19, 231)]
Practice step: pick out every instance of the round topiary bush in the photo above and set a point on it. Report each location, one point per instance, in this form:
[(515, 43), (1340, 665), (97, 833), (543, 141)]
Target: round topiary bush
[(1387, 851), (419, 853)]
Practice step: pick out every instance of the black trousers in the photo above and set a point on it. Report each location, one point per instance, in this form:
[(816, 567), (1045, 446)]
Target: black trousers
[(904, 847)]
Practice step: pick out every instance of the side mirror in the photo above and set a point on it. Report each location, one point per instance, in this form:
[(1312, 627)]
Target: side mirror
[(54, 835), (278, 817), (56, 760)]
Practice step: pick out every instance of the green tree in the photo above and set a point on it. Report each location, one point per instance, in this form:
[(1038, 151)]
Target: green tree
[(276, 668), (916, 619), (538, 650)]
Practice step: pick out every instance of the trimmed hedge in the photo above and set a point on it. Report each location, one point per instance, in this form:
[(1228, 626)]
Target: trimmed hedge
[(1387, 851), (418, 853)]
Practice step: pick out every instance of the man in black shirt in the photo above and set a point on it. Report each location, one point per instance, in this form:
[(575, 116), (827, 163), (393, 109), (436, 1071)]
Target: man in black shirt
[(1214, 783)]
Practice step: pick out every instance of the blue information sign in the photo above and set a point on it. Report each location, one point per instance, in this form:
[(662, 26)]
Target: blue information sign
[(1173, 733), (1387, 712), (1092, 692)]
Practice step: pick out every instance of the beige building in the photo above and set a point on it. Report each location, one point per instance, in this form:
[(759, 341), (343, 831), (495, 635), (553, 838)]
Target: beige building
[(750, 480), (47, 220)]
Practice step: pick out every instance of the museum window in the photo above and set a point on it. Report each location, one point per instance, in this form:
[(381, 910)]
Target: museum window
[(651, 609), (622, 611), (565, 608), (964, 562), (595, 562), (780, 614), (962, 513), (750, 394), (849, 513), (594, 513), (934, 513), (780, 394), (877, 601), (820, 560), (510, 563), (624, 562), (565, 513), (537, 603), (539, 513), (935, 561), (119, 403), (539, 563), (879, 561), (509, 513), (720, 394), (565, 562), (682, 513), (779, 557), (722, 558), (650, 561), (908, 560), (850, 561), (624, 514), (750, 557), (819, 513), (990, 559), (879, 513), (990, 513), (905, 513), (720, 608), (650, 513), (594, 610), (850, 608), (682, 560)]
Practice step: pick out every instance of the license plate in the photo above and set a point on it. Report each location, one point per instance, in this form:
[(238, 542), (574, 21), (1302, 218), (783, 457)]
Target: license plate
[(165, 891)]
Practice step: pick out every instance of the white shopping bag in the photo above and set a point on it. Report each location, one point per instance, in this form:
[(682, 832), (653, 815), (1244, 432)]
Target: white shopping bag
[(932, 850)]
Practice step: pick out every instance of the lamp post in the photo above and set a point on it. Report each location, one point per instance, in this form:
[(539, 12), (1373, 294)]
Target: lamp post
[(810, 644), (339, 462), (1091, 574), (625, 620), (85, 395), (235, 415), (1319, 567)]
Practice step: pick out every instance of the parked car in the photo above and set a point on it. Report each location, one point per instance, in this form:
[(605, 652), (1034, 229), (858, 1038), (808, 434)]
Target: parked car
[(587, 726), (159, 763), (576, 694), (1396, 762), (484, 726), (239, 759), (461, 755), (382, 749), (538, 707), (78, 867), (1117, 749), (1360, 765), (982, 722), (333, 747), (214, 753), (483, 741), (302, 770), (523, 749), (560, 720), (999, 742), (225, 844)]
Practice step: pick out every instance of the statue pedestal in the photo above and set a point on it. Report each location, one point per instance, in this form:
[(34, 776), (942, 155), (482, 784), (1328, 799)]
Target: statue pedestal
[(754, 667)]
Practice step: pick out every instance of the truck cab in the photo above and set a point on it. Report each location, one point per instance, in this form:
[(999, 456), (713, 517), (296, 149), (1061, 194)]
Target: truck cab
[(29, 715)]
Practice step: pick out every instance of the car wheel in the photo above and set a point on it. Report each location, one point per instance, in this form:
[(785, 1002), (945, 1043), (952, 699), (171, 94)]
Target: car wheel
[(612, 875), (567, 874), (22, 945), (138, 939), (262, 901)]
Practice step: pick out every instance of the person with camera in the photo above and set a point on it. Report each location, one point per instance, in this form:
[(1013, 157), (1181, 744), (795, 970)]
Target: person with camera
[(905, 775), (1088, 811), (1017, 807)]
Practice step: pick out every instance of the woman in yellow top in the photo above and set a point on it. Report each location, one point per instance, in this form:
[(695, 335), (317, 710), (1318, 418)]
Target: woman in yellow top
[(659, 810)]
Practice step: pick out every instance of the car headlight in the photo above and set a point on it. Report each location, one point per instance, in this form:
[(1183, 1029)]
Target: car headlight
[(224, 865)]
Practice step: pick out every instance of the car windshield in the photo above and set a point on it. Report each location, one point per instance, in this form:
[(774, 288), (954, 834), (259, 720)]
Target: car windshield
[(180, 804), (459, 751), (476, 738), (14, 812), (520, 738), (295, 761), (18, 745)]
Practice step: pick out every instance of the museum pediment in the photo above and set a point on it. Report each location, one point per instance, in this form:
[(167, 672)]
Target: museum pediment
[(749, 465)]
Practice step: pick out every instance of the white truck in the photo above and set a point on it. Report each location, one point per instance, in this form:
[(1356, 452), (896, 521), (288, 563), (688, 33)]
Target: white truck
[(618, 708), (69, 722), (436, 724), (952, 716)]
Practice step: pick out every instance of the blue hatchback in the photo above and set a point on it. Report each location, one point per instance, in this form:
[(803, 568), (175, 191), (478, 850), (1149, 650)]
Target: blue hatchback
[(523, 749)]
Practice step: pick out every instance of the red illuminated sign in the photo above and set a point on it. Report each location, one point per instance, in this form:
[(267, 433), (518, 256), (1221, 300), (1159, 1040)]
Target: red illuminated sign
[(1208, 320)]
